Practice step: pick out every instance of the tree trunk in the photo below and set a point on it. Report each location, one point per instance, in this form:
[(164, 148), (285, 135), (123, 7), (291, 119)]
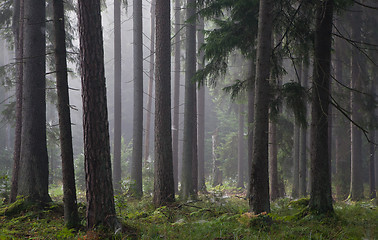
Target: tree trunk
[(164, 191), (217, 173), (195, 149), (295, 191), (259, 181), (372, 137), (117, 169), (136, 163), (34, 170), (201, 114), (71, 216), (98, 171), (176, 93), (303, 139), (273, 172), (251, 116), (150, 84), (190, 100), (321, 198), (240, 183), (18, 32), (356, 185)]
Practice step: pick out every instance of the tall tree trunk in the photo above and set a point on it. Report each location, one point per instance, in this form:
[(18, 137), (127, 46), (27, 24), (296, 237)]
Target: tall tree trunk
[(201, 114), (18, 32), (356, 185), (117, 169), (136, 164), (190, 100), (164, 191), (176, 93), (150, 84), (195, 148), (303, 138), (240, 183), (251, 116), (372, 137), (273, 172), (321, 198), (217, 173), (71, 216), (295, 191), (259, 181), (34, 170), (98, 170)]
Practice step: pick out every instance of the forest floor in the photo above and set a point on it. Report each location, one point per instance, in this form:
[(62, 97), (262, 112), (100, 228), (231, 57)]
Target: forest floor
[(217, 215)]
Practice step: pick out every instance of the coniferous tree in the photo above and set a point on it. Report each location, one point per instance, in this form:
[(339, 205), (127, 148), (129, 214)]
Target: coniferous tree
[(136, 163), (18, 31), (190, 100), (98, 172), (320, 197), (34, 171), (117, 170), (259, 180), (164, 191), (240, 183), (71, 216)]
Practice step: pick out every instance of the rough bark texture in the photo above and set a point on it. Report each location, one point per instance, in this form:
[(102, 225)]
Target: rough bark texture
[(34, 171), (71, 216), (259, 181), (190, 96), (150, 84), (98, 172), (176, 93), (117, 170), (164, 191), (321, 198), (136, 162), (18, 29), (356, 184), (240, 183)]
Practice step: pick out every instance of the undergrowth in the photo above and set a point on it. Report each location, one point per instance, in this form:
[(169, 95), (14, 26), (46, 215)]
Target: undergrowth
[(219, 214)]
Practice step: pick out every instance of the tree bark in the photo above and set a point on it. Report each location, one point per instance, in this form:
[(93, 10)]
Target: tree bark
[(273, 172), (117, 169), (18, 31), (251, 116), (136, 163), (259, 181), (190, 100), (98, 171), (71, 216), (34, 170), (176, 93), (321, 198), (164, 191)]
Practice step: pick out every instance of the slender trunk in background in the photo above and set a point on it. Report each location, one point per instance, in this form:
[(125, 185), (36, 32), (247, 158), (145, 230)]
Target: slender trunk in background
[(251, 116), (296, 149), (136, 162), (195, 148), (34, 169), (18, 31), (176, 93), (303, 137), (98, 169), (356, 184), (201, 113), (150, 84), (164, 191), (217, 173), (259, 181), (240, 183), (117, 169), (190, 100), (71, 216), (372, 137), (321, 197)]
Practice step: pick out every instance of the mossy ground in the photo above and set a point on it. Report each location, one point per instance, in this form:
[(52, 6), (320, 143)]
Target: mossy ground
[(212, 216)]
